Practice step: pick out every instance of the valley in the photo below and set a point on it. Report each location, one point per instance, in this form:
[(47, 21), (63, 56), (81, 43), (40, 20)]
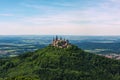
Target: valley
[(11, 46)]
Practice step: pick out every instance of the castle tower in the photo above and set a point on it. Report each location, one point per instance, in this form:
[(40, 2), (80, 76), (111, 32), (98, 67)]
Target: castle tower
[(67, 41), (64, 39), (60, 38), (56, 38)]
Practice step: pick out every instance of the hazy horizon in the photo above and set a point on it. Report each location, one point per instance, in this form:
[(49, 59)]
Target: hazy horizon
[(64, 17), (59, 35)]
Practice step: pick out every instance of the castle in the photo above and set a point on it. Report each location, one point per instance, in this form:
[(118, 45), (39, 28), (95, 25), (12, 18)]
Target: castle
[(60, 43)]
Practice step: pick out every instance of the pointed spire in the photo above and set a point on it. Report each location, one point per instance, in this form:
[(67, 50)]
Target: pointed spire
[(64, 39), (60, 38), (67, 41), (56, 37)]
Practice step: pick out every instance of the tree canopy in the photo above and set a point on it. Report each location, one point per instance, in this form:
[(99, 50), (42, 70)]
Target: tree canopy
[(53, 63)]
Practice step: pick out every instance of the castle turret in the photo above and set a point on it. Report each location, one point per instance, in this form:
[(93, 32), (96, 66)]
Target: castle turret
[(56, 37), (67, 41), (60, 38), (64, 39)]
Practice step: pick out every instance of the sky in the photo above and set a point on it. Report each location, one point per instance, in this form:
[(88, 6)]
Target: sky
[(59, 17)]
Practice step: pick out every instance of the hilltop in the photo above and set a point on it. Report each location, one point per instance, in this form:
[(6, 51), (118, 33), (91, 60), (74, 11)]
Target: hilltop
[(53, 63)]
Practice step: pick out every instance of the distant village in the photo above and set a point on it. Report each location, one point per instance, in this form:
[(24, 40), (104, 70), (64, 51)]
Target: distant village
[(111, 56)]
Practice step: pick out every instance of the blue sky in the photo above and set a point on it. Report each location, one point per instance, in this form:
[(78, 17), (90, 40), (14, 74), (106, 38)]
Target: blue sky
[(59, 17)]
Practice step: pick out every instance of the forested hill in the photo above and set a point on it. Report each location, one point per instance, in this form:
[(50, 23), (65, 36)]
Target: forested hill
[(53, 63)]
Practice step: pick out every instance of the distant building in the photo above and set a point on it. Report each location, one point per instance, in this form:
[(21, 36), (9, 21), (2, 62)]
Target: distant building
[(60, 43)]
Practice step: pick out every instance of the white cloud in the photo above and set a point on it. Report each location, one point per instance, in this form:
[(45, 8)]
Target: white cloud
[(6, 14), (116, 1), (64, 29), (23, 29)]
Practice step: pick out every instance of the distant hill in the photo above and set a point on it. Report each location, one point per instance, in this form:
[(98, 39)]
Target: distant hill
[(52, 63)]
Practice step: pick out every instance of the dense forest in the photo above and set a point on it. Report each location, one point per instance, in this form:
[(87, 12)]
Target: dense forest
[(53, 63)]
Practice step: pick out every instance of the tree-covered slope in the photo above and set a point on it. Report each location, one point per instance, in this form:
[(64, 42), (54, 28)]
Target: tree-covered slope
[(53, 63)]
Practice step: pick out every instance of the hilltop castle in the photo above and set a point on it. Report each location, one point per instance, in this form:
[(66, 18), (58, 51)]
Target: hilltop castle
[(60, 43)]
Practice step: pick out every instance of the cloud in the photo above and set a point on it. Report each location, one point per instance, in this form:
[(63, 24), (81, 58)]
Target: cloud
[(65, 29), (116, 1), (40, 7), (36, 29), (49, 19), (6, 14)]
